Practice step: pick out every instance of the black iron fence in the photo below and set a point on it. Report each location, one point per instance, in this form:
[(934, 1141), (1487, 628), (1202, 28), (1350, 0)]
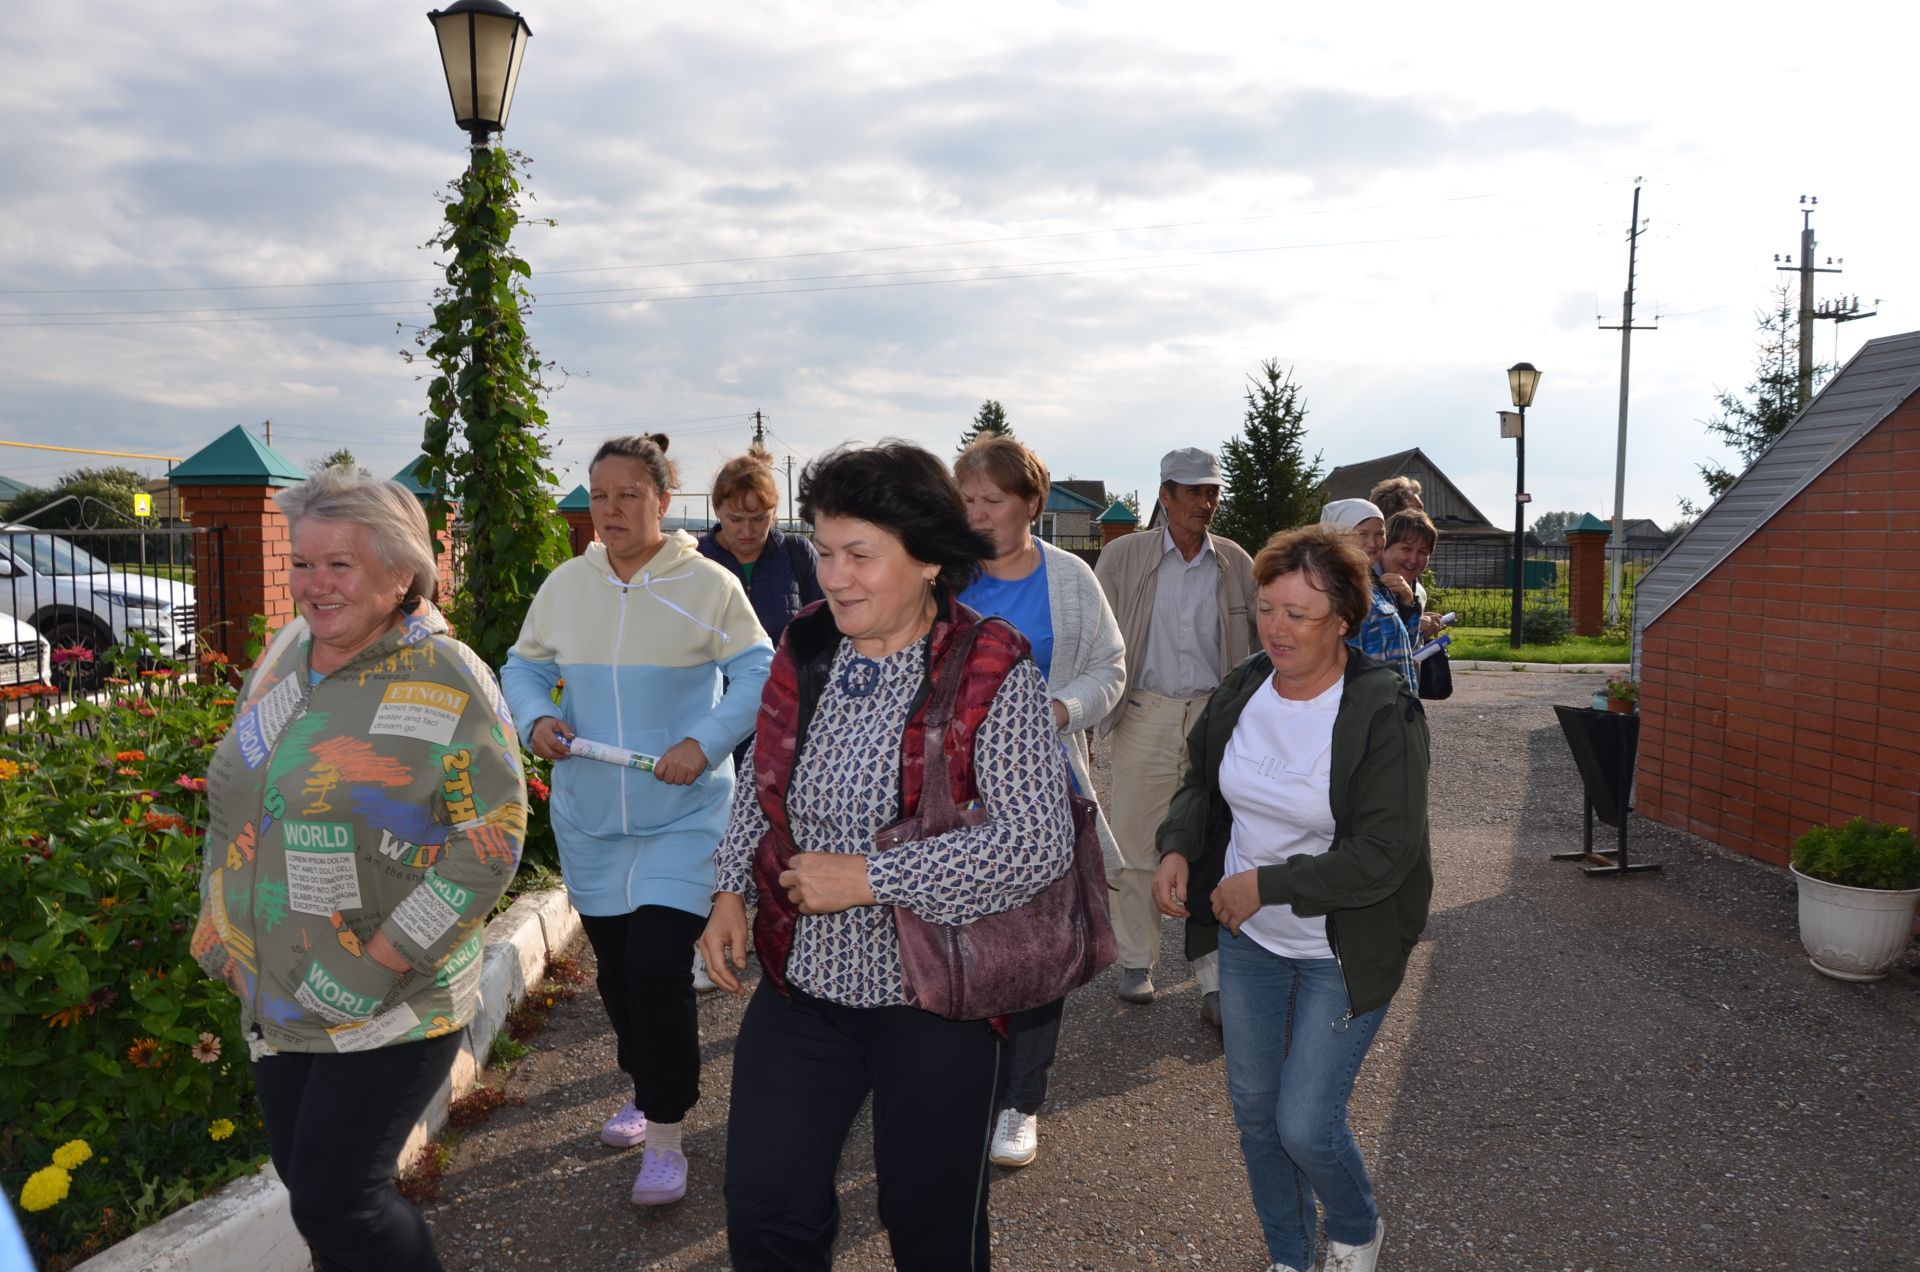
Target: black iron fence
[(73, 599), (1475, 579)]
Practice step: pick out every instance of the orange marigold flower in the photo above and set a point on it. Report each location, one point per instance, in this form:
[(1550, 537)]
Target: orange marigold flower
[(223, 702), (159, 673), (131, 757), (213, 658)]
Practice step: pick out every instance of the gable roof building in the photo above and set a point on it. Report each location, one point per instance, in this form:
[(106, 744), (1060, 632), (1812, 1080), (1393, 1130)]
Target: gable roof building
[(1446, 503)]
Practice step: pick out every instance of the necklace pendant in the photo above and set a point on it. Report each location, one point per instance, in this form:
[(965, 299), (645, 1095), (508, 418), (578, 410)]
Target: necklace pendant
[(859, 676)]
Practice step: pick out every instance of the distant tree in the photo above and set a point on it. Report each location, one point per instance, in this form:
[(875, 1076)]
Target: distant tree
[(1132, 501), (1749, 424), (341, 459), (102, 497), (1680, 527), (990, 418), (1271, 484), (1551, 527)]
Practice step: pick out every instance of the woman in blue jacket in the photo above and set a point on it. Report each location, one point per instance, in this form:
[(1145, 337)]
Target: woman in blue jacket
[(661, 654), (780, 572)]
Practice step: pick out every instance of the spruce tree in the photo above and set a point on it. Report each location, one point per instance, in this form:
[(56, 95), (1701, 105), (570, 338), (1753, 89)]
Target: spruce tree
[(990, 418), (1271, 484)]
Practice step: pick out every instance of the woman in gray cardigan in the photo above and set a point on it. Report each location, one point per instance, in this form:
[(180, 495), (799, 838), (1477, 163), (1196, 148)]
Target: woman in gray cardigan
[(1053, 599)]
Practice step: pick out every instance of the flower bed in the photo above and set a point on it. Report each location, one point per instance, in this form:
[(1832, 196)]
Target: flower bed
[(123, 1088)]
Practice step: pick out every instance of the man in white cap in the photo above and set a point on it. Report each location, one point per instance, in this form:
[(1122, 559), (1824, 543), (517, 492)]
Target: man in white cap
[(1185, 602)]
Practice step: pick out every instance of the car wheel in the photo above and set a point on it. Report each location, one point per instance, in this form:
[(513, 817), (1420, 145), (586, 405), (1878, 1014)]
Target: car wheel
[(64, 633)]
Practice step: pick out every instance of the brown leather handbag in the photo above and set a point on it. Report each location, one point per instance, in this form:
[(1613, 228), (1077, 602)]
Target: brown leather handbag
[(1020, 958)]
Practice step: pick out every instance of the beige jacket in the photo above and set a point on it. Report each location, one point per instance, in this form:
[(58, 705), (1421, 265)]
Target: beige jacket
[(1127, 571)]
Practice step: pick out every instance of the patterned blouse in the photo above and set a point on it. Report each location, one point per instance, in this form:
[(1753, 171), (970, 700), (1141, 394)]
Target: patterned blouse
[(846, 788)]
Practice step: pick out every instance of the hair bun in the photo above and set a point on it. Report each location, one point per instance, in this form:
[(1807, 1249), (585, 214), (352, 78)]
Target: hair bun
[(658, 439)]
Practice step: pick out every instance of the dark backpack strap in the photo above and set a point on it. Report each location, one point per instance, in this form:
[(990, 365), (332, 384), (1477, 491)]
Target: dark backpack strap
[(937, 811)]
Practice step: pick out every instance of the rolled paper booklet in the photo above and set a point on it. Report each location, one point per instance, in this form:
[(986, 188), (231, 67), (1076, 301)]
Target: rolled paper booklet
[(1421, 654), (582, 749)]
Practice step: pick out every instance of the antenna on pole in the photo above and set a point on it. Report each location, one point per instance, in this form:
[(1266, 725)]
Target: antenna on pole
[(1847, 309), (1618, 548), (759, 430)]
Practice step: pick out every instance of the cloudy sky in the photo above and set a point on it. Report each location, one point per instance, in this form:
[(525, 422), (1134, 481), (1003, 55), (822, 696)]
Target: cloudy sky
[(864, 218)]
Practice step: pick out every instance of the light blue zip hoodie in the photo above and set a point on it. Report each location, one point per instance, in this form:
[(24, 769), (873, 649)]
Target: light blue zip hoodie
[(674, 653)]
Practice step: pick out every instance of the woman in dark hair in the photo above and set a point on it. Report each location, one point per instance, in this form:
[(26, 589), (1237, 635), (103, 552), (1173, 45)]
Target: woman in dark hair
[(1298, 845), (662, 656), (837, 758)]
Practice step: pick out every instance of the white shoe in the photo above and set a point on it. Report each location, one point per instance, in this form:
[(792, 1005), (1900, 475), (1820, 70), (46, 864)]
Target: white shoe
[(1016, 1138), (1361, 1258), (702, 983)]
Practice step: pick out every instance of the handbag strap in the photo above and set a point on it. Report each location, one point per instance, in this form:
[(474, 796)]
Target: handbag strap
[(937, 812)]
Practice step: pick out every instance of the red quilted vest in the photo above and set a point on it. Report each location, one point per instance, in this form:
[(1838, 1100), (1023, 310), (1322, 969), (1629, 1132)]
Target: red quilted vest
[(799, 674)]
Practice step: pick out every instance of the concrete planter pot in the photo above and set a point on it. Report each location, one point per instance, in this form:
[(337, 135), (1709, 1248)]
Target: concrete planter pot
[(1854, 934)]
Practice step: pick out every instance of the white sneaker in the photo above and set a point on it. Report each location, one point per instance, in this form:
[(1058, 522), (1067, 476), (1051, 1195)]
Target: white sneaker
[(1016, 1138), (1361, 1258), (702, 983)]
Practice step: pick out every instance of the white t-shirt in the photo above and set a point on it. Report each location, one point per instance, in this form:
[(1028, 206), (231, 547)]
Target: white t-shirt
[(1275, 776)]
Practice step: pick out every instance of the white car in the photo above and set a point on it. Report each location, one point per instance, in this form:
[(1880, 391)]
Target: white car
[(24, 654), (74, 598)]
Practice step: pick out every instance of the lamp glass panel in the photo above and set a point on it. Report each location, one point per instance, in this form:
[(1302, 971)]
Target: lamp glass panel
[(454, 33), (498, 62), (513, 74), (1522, 380)]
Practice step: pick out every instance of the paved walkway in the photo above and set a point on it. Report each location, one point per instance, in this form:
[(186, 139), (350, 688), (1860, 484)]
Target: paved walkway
[(1581, 1073)]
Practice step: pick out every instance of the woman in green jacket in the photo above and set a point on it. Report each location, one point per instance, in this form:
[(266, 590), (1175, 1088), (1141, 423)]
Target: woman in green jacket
[(1298, 843)]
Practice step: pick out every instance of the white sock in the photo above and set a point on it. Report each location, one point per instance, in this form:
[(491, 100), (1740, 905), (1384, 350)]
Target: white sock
[(664, 1137)]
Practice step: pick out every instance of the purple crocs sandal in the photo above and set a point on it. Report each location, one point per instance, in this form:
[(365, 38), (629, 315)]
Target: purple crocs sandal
[(662, 1179), (626, 1128)]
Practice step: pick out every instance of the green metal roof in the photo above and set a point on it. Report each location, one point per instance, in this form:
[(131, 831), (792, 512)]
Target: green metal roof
[(577, 500), (1117, 514), (237, 458), (1589, 522), (413, 484)]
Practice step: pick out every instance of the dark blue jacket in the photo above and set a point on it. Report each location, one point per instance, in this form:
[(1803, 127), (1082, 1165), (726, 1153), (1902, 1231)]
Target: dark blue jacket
[(786, 578)]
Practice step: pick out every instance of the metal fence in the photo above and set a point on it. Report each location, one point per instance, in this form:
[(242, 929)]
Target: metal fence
[(1475, 579), (70, 599)]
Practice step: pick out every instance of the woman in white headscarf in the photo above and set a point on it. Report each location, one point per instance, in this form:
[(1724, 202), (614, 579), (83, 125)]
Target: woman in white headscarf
[(1385, 634)]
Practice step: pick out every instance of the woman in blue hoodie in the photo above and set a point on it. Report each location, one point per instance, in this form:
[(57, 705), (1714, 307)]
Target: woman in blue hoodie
[(661, 654), (780, 572)]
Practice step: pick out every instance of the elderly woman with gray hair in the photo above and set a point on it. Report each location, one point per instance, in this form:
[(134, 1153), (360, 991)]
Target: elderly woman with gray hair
[(1393, 616), (368, 807)]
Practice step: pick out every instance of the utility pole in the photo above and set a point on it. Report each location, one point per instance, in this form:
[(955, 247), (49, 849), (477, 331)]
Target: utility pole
[(1626, 329), (793, 513), (759, 430), (1845, 310), (268, 425)]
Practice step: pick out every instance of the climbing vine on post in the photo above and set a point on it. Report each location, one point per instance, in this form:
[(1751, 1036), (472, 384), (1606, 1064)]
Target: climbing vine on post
[(485, 448)]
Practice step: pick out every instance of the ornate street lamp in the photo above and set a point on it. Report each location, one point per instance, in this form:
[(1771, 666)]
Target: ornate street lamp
[(481, 44), (1522, 378)]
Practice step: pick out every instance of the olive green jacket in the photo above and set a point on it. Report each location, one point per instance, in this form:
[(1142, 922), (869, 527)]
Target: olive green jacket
[(1375, 882)]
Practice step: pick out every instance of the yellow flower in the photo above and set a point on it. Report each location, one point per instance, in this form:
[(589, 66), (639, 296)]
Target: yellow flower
[(220, 1129), (8, 770), (70, 1154), (45, 1189)]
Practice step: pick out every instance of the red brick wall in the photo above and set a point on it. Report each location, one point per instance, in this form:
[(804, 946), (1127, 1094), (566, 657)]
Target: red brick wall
[(255, 549), (1783, 691)]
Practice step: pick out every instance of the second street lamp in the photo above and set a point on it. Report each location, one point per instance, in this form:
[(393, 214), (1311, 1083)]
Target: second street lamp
[(1522, 378)]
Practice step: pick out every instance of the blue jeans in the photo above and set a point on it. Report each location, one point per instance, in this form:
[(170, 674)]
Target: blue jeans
[(1291, 1061)]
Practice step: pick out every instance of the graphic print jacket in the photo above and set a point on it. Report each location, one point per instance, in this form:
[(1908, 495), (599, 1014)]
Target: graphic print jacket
[(389, 797)]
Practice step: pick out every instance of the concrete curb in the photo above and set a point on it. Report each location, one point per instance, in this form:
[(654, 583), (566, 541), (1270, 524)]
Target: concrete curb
[(246, 1226)]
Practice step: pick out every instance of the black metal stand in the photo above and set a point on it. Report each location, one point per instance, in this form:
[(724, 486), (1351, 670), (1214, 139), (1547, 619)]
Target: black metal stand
[(1604, 744)]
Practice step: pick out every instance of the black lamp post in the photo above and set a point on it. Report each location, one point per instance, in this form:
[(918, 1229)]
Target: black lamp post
[(481, 44), (1523, 378)]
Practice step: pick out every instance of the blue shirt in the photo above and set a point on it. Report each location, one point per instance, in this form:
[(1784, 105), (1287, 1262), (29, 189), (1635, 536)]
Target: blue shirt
[(1023, 603), (1384, 636)]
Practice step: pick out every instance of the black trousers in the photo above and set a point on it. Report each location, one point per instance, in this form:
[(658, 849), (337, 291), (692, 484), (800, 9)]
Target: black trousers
[(335, 1126), (1033, 1041), (801, 1069), (646, 984)]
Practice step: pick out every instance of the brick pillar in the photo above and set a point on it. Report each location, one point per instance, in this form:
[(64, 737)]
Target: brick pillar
[(1587, 589), (579, 530), (1111, 530), (241, 570)]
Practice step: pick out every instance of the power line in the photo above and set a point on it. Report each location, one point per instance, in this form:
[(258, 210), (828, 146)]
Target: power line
[(779, 256), (1178, 260)]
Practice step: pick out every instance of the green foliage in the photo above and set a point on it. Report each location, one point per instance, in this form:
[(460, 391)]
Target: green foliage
[(101, 498), (341, 459), (1623, 689), (1749, 424), (991, 418), (109, 1032), (1271, 484), (1860, 854), (485, 445), (1551, 527), (1545, 625), (507, 1052)]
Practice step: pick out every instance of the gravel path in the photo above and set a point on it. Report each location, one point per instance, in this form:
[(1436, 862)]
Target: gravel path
[(1580, 1073)]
